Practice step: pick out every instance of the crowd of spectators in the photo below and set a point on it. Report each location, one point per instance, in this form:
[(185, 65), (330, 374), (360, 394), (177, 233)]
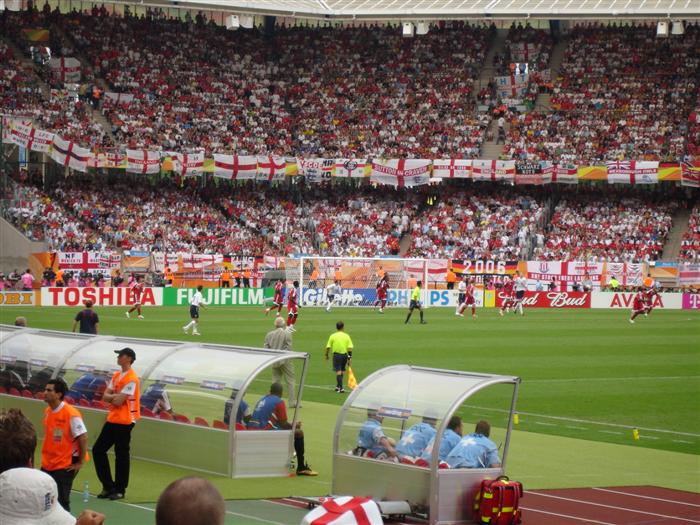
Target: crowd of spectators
[(622, 93), (611, 226), (43, 218), (690, 244), (492, 222)]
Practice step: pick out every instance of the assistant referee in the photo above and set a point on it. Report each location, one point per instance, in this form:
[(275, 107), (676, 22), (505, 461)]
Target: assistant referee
[(341, 344)]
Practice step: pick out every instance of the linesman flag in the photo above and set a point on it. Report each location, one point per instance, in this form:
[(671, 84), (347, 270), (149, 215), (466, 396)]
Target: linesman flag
[(352, 382)]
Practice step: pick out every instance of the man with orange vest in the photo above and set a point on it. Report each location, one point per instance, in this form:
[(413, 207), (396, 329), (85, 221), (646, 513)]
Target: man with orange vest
[(226, 278), (122, 394), (168, 276), (65, 440)]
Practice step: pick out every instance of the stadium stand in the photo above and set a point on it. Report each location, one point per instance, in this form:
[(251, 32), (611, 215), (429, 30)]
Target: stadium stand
[(493, 222), (600, 225), (621, 94), (690, 245)]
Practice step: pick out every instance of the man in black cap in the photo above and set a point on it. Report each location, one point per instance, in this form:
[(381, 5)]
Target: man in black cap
[(123, 395)]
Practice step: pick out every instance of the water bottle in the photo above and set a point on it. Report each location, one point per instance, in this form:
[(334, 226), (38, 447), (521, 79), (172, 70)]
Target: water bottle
[(86, 492)]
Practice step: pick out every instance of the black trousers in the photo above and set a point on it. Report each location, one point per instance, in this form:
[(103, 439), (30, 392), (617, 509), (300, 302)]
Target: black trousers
[(64, 482), (118, 436)]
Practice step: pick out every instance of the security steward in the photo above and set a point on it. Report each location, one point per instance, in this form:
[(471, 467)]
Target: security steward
[(123, 395), (65, 440), (341, 344)]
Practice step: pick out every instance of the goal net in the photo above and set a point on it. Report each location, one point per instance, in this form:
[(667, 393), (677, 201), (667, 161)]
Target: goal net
[(358, 278)]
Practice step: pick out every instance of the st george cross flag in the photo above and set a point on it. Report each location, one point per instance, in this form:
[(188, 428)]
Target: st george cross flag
[(452, 168), (68, 153), (633, 172), (564, 173), (350, 167), (344, 510), (31, 138), (188, 163), (401, 173), (236, 167), (66, 68), (315, 170), (142, 161), (271, 168), (690, 174), (493, 170)]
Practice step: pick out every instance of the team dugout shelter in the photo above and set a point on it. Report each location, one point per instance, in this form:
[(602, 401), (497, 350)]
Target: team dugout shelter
[(191, 393), (402, 396)]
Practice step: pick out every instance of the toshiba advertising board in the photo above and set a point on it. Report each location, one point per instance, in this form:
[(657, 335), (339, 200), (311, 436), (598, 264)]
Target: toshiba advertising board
[(54, 296)]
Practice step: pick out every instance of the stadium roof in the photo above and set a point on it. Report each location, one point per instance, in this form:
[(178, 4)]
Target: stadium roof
[(419, 10)]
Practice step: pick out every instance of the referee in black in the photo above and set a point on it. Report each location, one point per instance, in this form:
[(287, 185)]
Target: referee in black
[(341, 344)]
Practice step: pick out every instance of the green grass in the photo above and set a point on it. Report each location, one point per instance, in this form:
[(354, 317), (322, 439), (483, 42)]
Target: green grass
[(587, 374)]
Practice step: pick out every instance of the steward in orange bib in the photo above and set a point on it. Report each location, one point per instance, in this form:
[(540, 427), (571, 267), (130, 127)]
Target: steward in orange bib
[(65, 440), (122, 394)]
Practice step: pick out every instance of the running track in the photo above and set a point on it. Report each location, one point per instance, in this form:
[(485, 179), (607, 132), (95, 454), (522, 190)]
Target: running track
[(602, 506)]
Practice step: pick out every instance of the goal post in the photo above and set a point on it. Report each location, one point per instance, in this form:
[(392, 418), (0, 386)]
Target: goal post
[(358, 277)]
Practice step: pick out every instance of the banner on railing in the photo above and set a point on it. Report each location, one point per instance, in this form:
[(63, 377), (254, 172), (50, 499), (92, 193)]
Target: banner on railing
[(99, 296), (549, 299), (624, 300)]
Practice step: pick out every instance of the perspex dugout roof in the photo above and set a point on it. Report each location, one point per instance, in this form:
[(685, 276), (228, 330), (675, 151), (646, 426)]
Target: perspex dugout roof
[(402, 395), (200, 378)]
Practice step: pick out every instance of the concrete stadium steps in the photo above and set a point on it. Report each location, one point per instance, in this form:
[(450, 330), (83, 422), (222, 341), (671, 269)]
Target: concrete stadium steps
[(542, 103), (489, 149), (675, 236)]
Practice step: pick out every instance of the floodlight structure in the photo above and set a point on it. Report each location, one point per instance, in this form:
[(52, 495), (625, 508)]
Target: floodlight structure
[(422, 28), (677, 28), (232, 22)]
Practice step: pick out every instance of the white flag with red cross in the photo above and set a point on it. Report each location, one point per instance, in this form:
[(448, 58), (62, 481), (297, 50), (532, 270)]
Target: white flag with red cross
[(236, 167), (66, 68), (271, 168), (188, 163), (29, 137), (401, 173), (633, 172), (493, 170), (142, 161), (69, 153), (345, 510), (452, 168)]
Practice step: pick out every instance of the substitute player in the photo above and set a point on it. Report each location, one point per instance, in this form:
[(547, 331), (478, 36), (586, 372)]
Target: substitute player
[(382, 290), (293, 307), (639, 304), (416, 303), (468, 299), (332, 290), (137, 286), (278, 299)]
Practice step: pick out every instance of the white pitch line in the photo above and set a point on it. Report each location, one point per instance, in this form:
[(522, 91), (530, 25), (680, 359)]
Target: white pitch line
[(647, 437), (586, 421), (682, 441), (677, 502), (545, 424), (610, 432), (574, 427), (608, 379), (610, 506), (566, 516)]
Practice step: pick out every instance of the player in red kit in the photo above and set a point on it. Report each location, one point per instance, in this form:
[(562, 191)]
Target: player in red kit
[(468, 300), (137, 286), (507, 294), (639, 305), (292, 307), (278, 299), (650, 295), (382, 289)]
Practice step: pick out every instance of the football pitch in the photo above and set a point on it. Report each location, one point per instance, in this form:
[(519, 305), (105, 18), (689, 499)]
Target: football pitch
[(588, 379)]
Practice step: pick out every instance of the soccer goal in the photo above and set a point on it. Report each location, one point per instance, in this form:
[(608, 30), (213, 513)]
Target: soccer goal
[(358, 277)]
